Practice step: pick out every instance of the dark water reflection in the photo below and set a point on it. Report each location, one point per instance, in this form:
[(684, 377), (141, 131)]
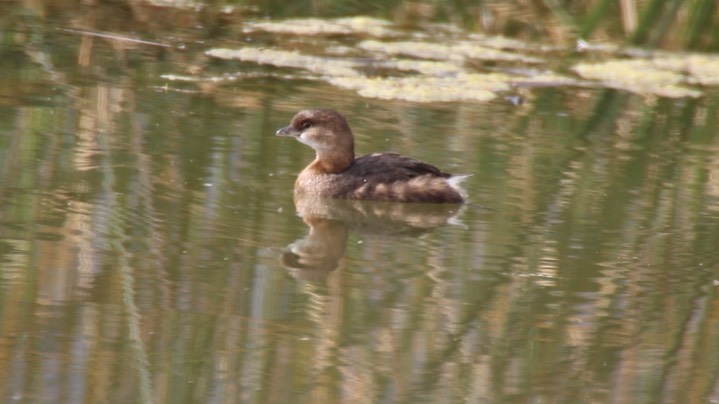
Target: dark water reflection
[(150, 249)]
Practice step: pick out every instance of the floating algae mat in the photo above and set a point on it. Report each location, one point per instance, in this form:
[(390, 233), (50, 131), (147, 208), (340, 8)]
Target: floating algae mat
[(377, 59), (461, 87), (459, 51), (315, 26), (659, 77)]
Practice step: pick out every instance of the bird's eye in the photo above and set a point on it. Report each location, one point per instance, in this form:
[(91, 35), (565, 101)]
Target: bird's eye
[(306, 125)]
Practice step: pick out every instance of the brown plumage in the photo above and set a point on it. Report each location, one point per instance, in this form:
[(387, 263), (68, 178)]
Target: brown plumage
[(336, 173)]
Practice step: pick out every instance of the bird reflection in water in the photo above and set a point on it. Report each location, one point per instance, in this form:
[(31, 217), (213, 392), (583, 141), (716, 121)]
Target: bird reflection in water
[(319, 253)]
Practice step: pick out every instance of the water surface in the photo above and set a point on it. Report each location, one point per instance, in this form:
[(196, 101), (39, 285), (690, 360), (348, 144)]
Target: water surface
[(151, 250)]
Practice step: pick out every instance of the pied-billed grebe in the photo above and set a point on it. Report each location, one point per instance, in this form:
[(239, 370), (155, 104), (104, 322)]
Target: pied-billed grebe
[(336, 173)]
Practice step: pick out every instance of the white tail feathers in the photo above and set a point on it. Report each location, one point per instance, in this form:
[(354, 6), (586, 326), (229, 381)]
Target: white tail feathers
[(456, 181)]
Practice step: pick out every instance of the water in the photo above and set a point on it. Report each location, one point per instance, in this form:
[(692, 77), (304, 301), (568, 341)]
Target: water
[(151, 250)]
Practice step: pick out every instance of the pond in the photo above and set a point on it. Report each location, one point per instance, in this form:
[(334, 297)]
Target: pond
[(152, 251)]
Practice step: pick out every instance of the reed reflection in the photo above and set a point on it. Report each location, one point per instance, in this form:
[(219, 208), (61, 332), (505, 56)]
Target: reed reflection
[(330, 221)]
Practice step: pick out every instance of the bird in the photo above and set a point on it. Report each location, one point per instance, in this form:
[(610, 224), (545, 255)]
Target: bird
[(337, 173)]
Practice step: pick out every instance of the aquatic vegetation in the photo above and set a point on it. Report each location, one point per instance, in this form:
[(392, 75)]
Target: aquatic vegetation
[(283, 58), (426, 67), (412, 66), (315, 26), (701, 69), (544, 79), (464, 87), (638, 76), (178, 4), (451, 85), (501, 42), (453, 51)]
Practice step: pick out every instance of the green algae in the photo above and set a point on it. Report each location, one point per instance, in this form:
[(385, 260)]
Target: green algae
[(315, 26), (458, 51), (462, 87), (380, 61), (701, 69), (662, 76), (283, 58), (425, 67)]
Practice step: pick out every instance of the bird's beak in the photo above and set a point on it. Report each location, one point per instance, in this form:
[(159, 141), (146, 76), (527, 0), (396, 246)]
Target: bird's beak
[(287, 131)]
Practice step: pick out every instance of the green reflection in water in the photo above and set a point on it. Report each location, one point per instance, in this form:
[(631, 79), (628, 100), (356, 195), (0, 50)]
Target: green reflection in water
[(151, 251)]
